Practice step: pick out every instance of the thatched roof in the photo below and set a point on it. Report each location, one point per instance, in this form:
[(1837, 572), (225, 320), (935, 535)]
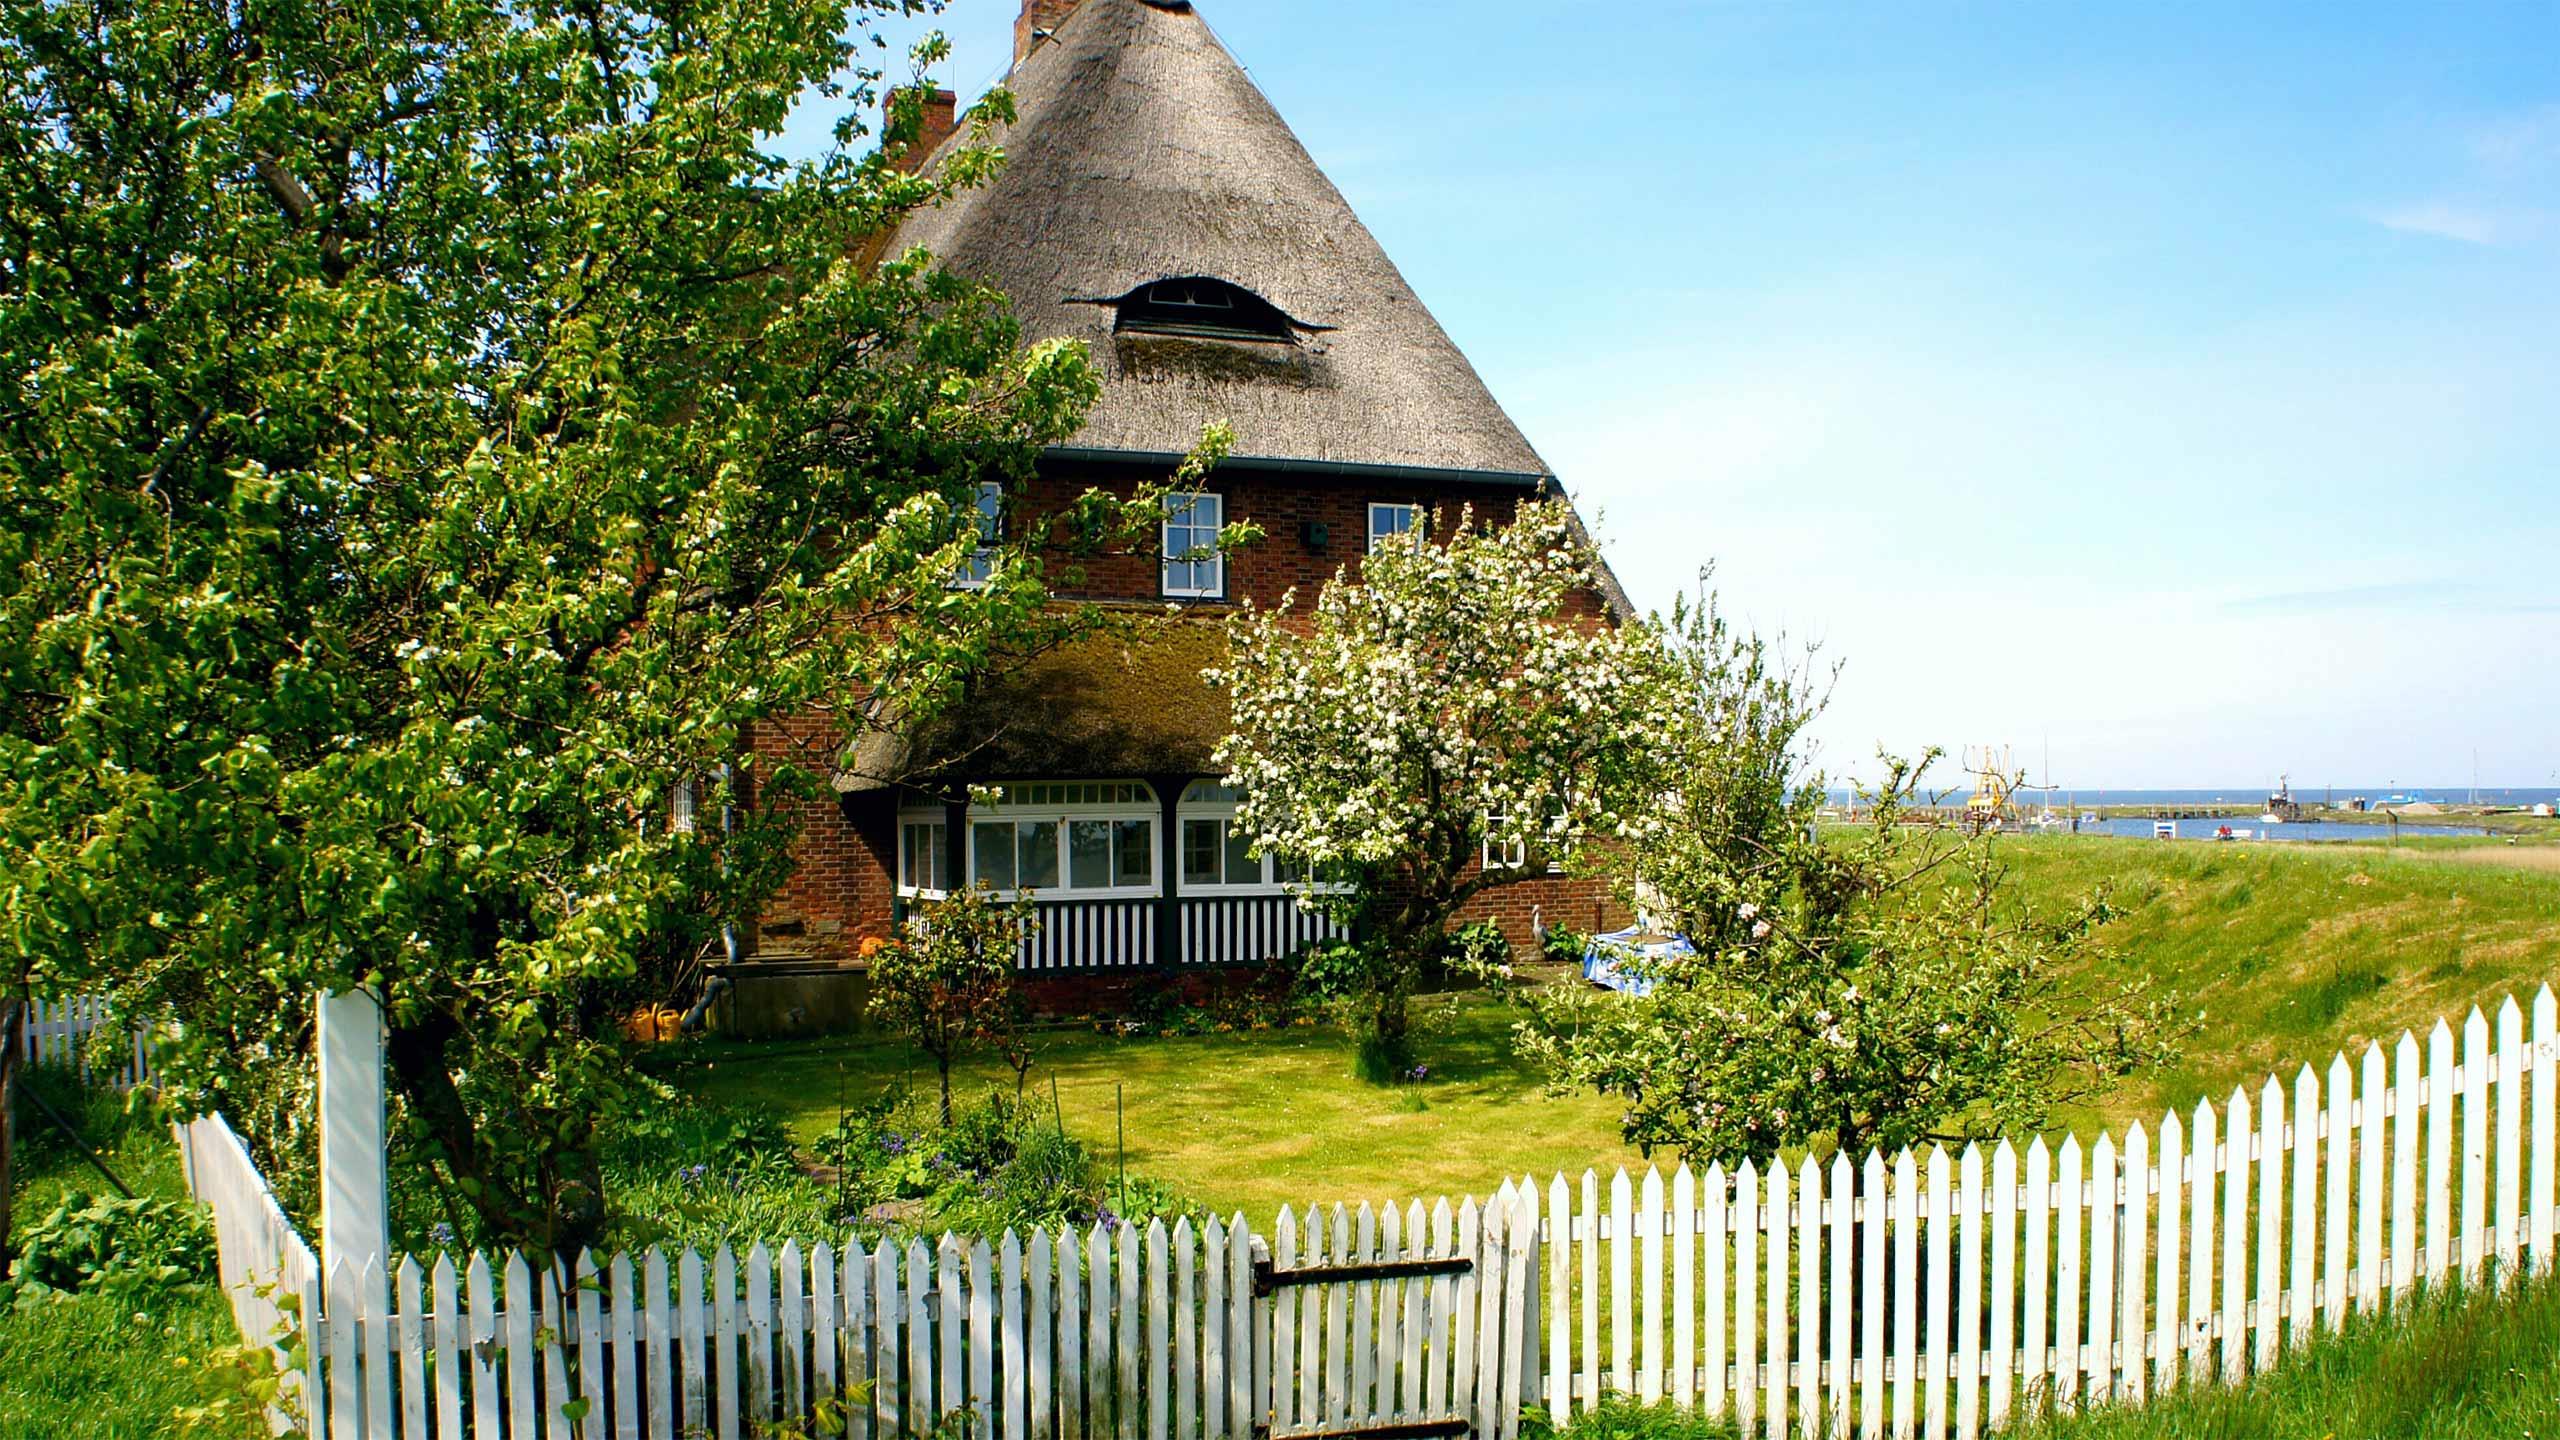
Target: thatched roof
[(1143, 152), (1128, 701)]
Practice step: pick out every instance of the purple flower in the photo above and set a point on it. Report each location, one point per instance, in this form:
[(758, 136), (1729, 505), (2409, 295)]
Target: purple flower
[(693, 1174), (440, 1235), (894, 1143), (1419, 1072), (1109, 1221)]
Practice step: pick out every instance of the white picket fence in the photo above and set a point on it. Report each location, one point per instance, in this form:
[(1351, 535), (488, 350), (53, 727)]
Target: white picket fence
[(1866, 1299), (1929, 1295), (56, 1032), (266, 1269), (1161, 1333)]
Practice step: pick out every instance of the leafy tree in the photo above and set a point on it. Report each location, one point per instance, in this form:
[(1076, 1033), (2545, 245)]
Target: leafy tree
[(1876, 988), (1459, 701), (432, 431), (948, 983)]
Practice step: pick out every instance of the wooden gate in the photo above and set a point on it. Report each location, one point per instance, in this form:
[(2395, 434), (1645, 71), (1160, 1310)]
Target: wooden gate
[(1398, 1325)]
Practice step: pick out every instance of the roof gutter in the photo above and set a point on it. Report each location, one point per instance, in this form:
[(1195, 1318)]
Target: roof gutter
[(1282, 465)]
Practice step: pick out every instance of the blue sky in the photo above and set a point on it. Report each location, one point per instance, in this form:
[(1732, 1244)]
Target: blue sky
[(2181, 384)]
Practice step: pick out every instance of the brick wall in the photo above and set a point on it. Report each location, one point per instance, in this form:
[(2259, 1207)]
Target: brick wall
[(1283, 505), (842, 886)]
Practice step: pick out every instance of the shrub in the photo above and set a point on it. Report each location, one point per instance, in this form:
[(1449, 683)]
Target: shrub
[(1005, 1163), (107, 1242), (1620, 1417), (1564, 945), (1329, 972), (947, 983)]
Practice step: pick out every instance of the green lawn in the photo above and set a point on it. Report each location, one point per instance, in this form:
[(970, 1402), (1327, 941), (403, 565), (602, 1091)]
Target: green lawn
[(1247, 1121), (93, 1366), (2290, 952)]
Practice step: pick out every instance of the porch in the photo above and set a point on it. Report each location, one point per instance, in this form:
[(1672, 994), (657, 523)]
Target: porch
[(1122, 875)]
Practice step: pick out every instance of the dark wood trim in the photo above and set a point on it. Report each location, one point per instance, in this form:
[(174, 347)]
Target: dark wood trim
[(1168, 790)]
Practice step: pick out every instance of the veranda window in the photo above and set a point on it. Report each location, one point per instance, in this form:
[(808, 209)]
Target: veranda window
[(1216, 855), (1065, 840), (924, 857)]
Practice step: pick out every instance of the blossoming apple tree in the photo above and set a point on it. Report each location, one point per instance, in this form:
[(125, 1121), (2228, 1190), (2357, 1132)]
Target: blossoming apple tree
[(1461, 721)]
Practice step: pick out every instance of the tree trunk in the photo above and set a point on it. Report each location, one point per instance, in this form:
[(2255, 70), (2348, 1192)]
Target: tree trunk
[(11, 1010), (942, 1063), (1393, 1019), (416, 1056)]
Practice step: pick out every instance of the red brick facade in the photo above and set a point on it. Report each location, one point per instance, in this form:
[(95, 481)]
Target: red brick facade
[(844, 886)]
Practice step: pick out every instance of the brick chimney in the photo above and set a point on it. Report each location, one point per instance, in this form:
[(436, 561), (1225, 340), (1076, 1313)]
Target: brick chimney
[(941, 117), (1038, 17)]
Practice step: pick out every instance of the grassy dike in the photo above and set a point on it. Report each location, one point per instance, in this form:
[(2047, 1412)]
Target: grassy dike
[(2289, 953)]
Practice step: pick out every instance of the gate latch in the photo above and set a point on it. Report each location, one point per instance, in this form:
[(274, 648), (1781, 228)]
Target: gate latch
[(1268, 1278)]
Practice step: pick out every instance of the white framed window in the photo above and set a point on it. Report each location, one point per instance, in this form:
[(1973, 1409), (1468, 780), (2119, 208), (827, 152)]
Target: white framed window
[(682, 801), (990, 520), (1390, 524), (1500, 854), (1067, 840), (1193, 566), (1217, 856), (924, 855)]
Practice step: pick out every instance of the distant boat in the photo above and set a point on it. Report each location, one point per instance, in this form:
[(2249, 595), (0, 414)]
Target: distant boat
[(2282, 808)]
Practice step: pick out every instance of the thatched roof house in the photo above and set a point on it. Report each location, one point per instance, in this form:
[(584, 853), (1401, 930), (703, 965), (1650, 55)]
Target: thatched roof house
[(1155, 206)]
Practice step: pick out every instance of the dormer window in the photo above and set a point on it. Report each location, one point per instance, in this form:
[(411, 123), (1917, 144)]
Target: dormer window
[(1208, 308)]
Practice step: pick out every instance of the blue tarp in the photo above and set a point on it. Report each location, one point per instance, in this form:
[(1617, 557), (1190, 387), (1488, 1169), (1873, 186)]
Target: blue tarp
[(1603, 959)]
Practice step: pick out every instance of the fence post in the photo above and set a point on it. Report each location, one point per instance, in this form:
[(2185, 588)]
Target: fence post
[(354, 1207)]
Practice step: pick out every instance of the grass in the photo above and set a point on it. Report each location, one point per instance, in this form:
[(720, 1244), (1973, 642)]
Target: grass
[(93, 1366), (2292, 953), (2448, 1367), (2453, 1366), (1246, 1121)]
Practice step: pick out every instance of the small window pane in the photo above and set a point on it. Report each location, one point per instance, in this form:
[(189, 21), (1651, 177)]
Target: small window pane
[(1242, 868), (1288, 871), (1200, 845), (1038, 849), (994, 847), (990, 512), (1089, 854), (1386, 522), (1133, 841)]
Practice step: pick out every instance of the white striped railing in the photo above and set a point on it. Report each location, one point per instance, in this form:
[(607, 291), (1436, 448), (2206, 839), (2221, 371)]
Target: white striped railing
[(1250, 929), (1090, 935)]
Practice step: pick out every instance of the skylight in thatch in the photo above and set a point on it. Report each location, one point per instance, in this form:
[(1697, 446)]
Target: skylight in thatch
[(1200, 305)]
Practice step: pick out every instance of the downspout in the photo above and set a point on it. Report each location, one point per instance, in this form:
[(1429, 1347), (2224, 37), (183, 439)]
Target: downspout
[(718, 985)]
